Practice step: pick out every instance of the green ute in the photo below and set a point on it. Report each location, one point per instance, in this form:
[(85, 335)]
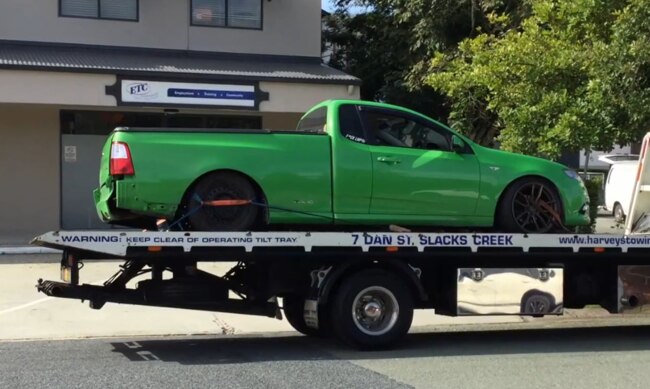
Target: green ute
[(348, 163)]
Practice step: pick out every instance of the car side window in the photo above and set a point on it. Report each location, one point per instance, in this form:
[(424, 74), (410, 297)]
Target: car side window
[(315, 121), (350, 124), (400, 131)]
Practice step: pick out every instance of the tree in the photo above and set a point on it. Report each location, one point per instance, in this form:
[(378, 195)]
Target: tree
[(390, 45), (370, 46), (571, 76)]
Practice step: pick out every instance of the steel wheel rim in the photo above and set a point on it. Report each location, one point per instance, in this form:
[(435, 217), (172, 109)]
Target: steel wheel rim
[(528, 210), (375, 310), (618, 214)]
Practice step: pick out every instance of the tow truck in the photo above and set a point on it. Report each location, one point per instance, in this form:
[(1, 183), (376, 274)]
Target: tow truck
[(362, 287)]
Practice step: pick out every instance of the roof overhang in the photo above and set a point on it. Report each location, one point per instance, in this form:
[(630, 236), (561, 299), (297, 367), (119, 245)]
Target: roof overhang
[(171, 63)]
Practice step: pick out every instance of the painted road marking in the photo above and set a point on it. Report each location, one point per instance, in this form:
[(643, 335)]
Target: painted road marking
[(146, 355), (132, 345), (27, 305)]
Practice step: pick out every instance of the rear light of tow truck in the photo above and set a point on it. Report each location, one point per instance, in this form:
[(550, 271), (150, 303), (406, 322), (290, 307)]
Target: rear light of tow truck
[(121, 163)]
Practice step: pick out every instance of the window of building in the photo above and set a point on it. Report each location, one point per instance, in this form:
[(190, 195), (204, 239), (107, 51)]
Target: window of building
[(227, 13), (400, 131), (103, 122), (100, 9)]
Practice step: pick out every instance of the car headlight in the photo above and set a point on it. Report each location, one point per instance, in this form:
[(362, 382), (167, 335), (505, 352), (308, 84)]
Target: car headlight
[(572, 174)]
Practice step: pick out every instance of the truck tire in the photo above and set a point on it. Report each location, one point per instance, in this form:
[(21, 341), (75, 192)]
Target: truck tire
[(520, 211), (222, 186), (371, 310), (293, 307)]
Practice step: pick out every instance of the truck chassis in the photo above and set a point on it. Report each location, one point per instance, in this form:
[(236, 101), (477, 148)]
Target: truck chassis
[(360, 287)]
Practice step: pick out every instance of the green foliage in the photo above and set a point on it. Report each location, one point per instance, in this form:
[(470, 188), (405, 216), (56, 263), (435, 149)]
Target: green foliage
[(573, 75), (390, 45), (371, 46)]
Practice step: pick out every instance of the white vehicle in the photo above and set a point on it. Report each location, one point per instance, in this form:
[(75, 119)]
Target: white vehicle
[(509, 291), (619, 184)]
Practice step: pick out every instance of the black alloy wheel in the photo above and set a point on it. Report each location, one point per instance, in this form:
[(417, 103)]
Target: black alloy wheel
[(537, 304), (530, 206)]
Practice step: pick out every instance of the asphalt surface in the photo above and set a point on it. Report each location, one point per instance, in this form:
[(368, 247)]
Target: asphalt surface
[(576, 358), (275, 362)]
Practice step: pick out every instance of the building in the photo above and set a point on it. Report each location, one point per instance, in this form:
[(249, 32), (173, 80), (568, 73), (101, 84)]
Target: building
[(72, 70)]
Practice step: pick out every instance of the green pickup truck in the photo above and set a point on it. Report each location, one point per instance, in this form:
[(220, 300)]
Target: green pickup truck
[(348, 163)]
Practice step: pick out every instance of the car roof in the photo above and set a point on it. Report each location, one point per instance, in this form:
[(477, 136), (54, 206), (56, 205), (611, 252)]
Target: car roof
[(615, 159)]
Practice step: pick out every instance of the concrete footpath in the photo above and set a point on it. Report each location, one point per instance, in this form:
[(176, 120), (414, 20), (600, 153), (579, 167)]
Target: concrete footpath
[(26, 314)]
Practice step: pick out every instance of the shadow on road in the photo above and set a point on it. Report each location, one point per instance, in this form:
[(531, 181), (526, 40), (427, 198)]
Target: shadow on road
[(201, 350)]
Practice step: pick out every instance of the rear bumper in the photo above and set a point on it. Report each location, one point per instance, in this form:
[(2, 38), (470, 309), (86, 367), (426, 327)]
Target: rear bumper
[(120, 202), (103, 197)]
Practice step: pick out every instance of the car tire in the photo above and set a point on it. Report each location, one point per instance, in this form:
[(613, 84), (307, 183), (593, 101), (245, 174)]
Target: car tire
[(618, 213), (373, 310), (537, 304), (293, 307), (222, 186), (520, 209)]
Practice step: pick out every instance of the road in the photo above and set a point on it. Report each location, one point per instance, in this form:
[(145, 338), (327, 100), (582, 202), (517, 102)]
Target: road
[(577, 358)]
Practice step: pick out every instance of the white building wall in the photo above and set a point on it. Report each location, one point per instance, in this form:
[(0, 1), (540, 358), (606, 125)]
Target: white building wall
[(290, 27)]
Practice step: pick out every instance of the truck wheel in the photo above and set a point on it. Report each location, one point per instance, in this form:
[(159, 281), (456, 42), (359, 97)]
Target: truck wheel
[(373, 309), (222, 186), (293, 307), (526, 207), (619, 214)]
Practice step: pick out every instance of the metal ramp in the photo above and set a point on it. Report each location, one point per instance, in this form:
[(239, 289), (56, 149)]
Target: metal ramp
[(638, 219)]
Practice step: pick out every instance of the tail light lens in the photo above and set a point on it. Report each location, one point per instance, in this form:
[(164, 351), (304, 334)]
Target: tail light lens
[(121, 163)]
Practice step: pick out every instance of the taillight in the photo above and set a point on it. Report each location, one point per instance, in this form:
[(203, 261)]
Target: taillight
[(121, 163)]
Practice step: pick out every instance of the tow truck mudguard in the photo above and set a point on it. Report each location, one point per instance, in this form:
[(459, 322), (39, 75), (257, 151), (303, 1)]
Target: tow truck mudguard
[(321, 290)]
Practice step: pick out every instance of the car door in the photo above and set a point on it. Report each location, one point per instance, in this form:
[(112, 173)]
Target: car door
[(415, 168)]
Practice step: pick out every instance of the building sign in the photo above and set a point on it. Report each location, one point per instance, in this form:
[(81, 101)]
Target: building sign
[(70, 153), (136, 92)]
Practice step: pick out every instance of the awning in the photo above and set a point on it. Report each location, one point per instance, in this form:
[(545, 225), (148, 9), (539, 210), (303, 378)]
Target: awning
[(154, 62)]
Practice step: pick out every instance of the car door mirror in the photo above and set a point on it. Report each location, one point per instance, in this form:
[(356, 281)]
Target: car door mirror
[(457, 144)]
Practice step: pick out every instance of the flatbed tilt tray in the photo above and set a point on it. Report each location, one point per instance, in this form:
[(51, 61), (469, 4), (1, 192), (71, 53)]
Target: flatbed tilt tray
[(361, 287)]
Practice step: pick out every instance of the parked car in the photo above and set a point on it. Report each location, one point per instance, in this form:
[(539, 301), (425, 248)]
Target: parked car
[(349, 163), (619, 184)]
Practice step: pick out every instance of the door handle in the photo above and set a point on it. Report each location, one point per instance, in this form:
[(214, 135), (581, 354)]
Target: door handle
[(389, 160)]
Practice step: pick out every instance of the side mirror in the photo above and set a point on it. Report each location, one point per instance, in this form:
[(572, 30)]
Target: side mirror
[(457, 144)]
